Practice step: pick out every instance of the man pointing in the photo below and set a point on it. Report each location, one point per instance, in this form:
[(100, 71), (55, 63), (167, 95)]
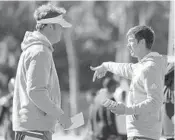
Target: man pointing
[(146, 90)]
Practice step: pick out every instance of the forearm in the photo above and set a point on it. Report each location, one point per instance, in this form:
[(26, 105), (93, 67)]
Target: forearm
[(122, 69), (41, 100), (147, 106)]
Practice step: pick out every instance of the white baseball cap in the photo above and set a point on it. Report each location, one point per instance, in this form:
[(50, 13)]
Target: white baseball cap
[(55, 20)]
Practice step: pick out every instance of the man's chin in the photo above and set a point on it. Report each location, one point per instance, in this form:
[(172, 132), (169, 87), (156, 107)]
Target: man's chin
[(58, 40)]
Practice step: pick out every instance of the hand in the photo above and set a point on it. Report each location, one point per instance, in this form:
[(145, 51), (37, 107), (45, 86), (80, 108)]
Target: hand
[(114, 107), (109, 103), (100, 71), (65, 121), (3, 101), (119, 109)]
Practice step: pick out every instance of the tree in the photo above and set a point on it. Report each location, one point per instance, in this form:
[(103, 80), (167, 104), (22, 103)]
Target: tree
[(72, 59), (171, 40), (73, 71)]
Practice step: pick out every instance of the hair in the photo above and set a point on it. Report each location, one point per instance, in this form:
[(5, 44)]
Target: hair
[(143, 32), (47, 11)]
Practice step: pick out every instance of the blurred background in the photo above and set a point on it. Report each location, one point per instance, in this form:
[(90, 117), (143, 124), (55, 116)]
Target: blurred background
[(98, 35)]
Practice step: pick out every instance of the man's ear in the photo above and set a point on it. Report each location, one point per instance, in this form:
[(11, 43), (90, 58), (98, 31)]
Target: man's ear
[(142, 41)]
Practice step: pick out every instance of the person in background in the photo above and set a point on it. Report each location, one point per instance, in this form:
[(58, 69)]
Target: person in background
[(6, 112), (168, 107), (37, 96), (90, 96), (102, 124)]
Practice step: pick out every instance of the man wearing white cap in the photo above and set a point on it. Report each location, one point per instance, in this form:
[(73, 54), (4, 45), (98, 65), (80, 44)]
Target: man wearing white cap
[(37, 96)]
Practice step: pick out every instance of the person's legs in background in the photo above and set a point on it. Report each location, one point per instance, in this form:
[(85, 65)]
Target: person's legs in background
[(33, 135), (9, 133)]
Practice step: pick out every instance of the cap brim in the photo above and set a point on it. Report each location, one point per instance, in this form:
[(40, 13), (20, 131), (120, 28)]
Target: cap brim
[(56, 20), (64, 23)]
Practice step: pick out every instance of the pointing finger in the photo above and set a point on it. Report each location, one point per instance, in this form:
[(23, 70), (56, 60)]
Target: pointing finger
[(94, 76), (93, 68)]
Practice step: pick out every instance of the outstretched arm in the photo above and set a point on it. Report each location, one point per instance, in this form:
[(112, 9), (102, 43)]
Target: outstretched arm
[(122, 69)]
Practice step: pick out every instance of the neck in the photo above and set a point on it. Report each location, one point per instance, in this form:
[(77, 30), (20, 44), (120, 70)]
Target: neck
[(142, 55)]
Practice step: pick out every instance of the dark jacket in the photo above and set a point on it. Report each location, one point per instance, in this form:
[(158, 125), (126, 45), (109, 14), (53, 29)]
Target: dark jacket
[(168, 126)]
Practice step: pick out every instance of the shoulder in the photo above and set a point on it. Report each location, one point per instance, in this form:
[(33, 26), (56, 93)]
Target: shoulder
[(38, 52), (154, 68), (149, 66), (149, 69)]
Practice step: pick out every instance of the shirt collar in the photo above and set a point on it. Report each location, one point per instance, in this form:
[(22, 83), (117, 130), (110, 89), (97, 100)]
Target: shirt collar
[(151, 54)]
